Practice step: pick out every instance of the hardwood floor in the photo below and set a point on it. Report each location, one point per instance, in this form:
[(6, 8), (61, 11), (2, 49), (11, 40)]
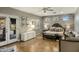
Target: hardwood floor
[(36, 45)]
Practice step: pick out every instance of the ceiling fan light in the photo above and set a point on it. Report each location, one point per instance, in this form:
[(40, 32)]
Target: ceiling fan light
[(44, 11)]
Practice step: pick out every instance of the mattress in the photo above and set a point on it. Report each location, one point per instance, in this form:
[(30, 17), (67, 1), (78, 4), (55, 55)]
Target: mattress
[(53, 33)]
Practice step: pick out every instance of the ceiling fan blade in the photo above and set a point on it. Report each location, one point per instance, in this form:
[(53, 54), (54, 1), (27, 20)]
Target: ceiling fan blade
[(45, 10), (49, 9)]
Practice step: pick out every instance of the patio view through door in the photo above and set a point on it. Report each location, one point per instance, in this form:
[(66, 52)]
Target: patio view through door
[(8, 32), (12, 29), (3, 31)]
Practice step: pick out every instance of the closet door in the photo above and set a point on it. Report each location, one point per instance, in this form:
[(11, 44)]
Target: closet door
[(3, 30), (12, 29)]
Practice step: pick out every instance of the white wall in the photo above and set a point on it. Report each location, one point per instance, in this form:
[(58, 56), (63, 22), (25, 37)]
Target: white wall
[(59, 19), (11, 11), (76, 22)]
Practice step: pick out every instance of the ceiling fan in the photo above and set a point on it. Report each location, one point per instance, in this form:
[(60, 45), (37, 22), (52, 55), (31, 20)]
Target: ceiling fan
[(45, 9)]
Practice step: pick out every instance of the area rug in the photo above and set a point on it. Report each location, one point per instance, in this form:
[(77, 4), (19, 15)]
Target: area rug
[(8, 49)]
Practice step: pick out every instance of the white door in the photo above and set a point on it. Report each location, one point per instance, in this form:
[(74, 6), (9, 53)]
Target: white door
[(3, 30), (13, 33), (8, 29)]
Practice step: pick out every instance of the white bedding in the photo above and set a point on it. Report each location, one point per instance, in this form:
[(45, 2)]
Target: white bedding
[(53, 33)]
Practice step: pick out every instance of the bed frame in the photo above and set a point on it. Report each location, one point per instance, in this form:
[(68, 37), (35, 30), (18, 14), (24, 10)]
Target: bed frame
[(55, 36)]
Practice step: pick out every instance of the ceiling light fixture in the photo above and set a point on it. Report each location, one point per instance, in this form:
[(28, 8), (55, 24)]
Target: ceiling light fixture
[(45, 9)]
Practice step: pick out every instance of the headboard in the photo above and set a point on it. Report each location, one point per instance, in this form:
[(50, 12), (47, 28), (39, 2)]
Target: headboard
[(57, 27)]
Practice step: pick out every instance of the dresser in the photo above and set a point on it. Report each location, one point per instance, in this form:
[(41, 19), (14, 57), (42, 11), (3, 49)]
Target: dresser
[(28, 35)]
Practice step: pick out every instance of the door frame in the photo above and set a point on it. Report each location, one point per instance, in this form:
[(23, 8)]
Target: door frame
[(5, 42), (17, 31), (8, 41)]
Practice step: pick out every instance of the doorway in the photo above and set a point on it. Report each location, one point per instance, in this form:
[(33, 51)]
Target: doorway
[(8, 29)]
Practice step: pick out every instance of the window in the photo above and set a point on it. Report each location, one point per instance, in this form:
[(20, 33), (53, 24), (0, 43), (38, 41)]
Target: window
[(65, 18)]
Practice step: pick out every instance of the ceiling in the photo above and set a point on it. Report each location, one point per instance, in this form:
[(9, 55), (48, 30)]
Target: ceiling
[(39, 12)]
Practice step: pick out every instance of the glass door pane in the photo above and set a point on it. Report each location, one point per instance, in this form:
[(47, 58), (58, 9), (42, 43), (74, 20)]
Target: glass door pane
[(2, 29), (12, 28)]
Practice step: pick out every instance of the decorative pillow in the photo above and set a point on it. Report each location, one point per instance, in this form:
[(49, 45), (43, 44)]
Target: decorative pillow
[(56, 29), (52, 29)]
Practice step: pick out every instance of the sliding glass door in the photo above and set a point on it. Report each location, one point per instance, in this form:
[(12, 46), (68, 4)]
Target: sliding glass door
[(8, 29), (12, 29), (3, 31)]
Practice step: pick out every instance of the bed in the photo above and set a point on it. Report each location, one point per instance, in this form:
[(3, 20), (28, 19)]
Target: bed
[(56, 32)]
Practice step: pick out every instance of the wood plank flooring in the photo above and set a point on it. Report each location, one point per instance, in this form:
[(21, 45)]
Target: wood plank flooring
[(36, 45)]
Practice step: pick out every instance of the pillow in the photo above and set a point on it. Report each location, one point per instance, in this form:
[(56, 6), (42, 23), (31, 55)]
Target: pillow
[(56, 29), (52, 29)]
